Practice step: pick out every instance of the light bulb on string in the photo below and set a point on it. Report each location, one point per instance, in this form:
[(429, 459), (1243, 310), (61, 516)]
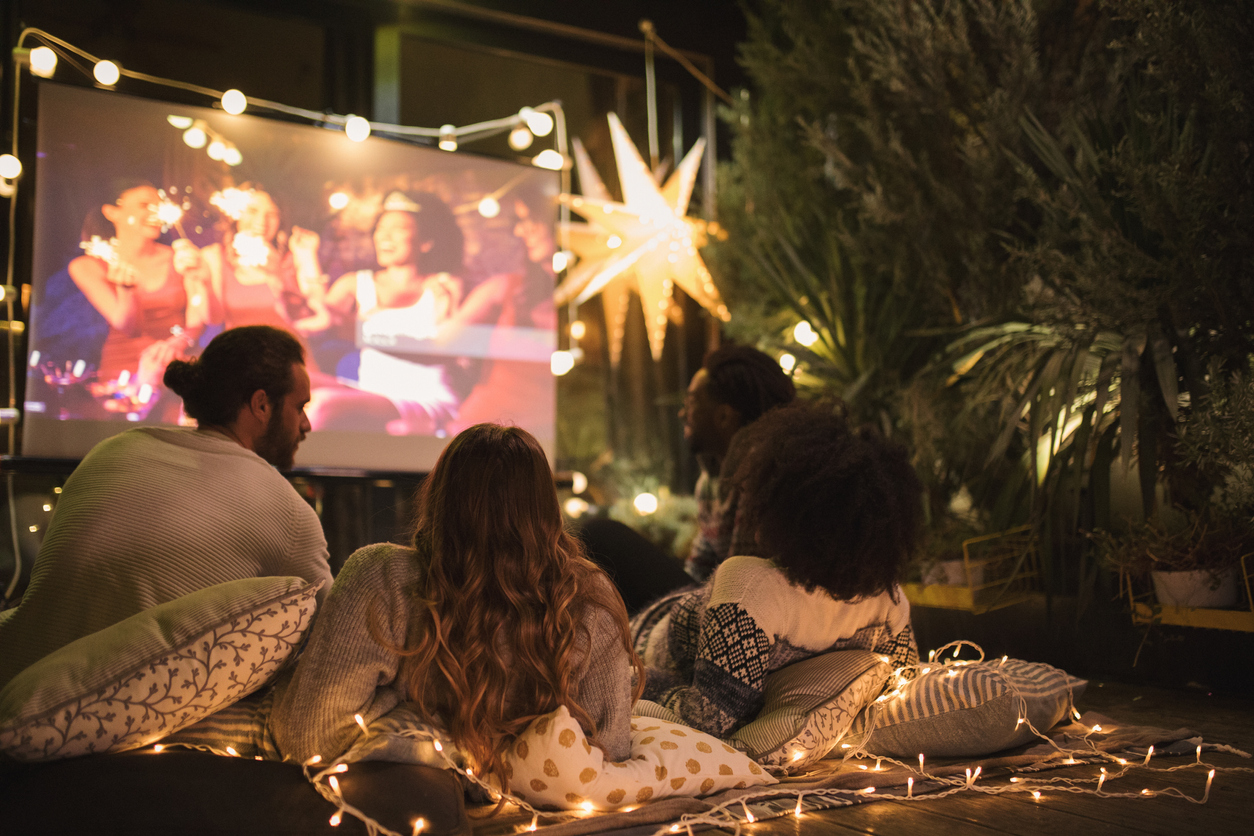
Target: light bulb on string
[(357, 128), (645, 503), (520, 138), (787, 362), (804, 334), (232, 156), (180, 122), (10, 167), (561, 260), (538, 122), (338, 201), (550, 159), (577, 331), (234, 102), (43, 62), (107, 73), (216, 150), (578, 482), (448, 138)]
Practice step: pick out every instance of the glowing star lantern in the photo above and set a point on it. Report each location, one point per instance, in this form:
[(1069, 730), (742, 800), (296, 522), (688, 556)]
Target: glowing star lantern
[(357, 128), (234, 102), (646, 242)]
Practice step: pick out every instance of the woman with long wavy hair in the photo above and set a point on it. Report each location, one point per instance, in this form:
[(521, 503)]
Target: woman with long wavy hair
[(492, 617)]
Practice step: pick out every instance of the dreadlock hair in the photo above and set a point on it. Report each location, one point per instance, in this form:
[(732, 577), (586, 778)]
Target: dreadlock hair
[(836, 507), (747, 380), (498, 632)]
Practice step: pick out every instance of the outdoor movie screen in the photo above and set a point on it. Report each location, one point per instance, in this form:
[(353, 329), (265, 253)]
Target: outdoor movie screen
[(419, 281)]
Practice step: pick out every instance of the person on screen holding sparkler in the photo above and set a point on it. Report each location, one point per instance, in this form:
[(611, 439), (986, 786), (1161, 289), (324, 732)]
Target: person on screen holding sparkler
[(416, 293), (153, 296)]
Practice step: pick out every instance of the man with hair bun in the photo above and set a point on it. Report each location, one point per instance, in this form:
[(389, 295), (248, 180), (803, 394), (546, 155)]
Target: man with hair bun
[(156, 513)]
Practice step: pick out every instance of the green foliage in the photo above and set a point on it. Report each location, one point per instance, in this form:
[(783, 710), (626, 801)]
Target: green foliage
[(1023, 231)]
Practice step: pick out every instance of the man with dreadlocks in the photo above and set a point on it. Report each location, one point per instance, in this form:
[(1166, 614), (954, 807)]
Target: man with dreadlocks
[(736, 385)]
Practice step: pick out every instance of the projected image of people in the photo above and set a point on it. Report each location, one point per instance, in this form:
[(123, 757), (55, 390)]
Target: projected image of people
[(416, 294), (150, 294), (419, 282)]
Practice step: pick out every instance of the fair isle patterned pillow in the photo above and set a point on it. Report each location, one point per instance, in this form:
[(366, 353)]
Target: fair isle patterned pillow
[(810, 705), (156, 672), (552, 764), (968, 709)]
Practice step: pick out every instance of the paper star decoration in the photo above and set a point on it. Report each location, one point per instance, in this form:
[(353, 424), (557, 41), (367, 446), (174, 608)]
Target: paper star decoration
[(646, 242)]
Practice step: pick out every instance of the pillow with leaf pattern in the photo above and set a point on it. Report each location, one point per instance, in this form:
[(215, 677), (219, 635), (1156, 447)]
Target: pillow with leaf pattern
[(156, 672)]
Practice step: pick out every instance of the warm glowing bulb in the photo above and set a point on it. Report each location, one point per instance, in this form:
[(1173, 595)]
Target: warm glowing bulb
[(645, 503), (489, 207), (338, 201), (419, 826), (561, 260), (342, 767), (787, 362), (575, 507), (335, 784), (232, 155), (804, 334), (1036, 794), (361, 723), (195, 137), (107, 73), (230, 750), (157, 748), (438, 747), (216, 150), (586, 806), (520, 138), (43, 62), (613, 242), (234, 102), (561, 362), (448, 138), (180, 122), (10, 167), (335, 820), (357, 128), (313, 760), (539, 123), (578, 482), (550, 159)]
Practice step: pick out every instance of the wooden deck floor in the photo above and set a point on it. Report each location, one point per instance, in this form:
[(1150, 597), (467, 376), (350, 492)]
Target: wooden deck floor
[(1230, 809)]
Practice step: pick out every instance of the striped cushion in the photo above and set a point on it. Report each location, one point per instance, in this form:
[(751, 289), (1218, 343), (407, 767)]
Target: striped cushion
[(240, 727), (968, 710), (810, 705)]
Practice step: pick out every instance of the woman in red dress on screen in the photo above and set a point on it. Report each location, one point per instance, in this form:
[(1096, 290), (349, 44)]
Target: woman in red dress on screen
[(152, 295)]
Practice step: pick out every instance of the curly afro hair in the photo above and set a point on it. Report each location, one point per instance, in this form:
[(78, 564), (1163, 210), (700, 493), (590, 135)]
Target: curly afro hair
[(836, 507)]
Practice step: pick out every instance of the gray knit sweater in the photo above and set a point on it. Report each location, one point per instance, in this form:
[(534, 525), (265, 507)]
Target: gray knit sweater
[(344, 671), (151, 515)]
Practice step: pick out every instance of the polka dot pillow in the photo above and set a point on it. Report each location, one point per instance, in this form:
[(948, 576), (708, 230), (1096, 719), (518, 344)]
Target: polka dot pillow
[(552, 764)]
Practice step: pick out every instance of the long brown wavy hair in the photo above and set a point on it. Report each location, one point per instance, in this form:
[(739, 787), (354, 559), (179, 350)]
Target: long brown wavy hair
[(498, 636)]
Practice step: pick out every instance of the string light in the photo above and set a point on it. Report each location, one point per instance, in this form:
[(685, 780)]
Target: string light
[(338, 200), (910, 788), (448, 138), (10, 167), (561, 362), (489, 207), (1148, 755), (356, 128), (520, 138), (538, 122), (234, 102), (43, 62), (805, 334), (550, 159), (107, 73), (419, 826), (645, 503), (335, 819)]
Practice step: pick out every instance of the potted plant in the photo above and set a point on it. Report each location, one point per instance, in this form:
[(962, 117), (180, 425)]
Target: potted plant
[(1191, 558)]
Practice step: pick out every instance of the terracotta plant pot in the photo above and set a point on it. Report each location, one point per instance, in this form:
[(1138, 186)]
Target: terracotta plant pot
[(1196, 588)]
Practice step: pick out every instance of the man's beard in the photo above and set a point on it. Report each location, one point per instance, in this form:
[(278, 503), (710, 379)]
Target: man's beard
[(273, 446)]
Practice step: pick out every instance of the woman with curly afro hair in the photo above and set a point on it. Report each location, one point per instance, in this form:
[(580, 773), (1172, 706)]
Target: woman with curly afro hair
[(838, 510)]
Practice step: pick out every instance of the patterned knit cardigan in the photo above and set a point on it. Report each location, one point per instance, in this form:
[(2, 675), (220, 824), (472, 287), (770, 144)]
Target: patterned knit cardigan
[(708, 649)]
